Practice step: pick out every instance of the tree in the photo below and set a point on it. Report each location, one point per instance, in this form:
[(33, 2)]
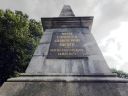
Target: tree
[(19, 36), (120, 73)]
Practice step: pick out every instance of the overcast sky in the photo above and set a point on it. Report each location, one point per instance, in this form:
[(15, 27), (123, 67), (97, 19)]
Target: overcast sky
[(110, 26)]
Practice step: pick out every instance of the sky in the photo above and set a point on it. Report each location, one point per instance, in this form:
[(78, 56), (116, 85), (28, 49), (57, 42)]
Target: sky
[(110, 25)]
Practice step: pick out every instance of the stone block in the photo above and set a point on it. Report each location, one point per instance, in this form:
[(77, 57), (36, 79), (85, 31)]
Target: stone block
[(66, 66), (63, 89)]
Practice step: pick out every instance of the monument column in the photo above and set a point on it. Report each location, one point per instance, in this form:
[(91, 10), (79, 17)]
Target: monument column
[(68, 48), (67, 62)]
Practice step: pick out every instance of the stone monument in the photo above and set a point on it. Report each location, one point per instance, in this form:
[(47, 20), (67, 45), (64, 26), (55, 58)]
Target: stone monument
[(67, 62)]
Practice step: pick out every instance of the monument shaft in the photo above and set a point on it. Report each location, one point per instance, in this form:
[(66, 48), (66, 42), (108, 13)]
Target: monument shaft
[(67, 62), (68, 47)]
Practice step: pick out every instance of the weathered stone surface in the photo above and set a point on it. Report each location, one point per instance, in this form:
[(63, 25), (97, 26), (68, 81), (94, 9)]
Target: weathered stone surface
[(68, 78), (97, 65), (89, 76), (62, 67), (63, 89), (67, 22), (36, 64), (83, 30), (66, 67), (66, 11), (46, 38), (94, 65), (42, 49)]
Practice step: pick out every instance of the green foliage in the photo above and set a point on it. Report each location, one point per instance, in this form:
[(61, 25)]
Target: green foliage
[(19, 36), (120, 73)]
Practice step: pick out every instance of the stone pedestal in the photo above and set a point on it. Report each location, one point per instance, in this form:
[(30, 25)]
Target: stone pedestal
[(65, 86)]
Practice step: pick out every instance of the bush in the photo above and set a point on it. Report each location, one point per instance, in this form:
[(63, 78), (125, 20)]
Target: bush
[(19, 36), (120, 73)]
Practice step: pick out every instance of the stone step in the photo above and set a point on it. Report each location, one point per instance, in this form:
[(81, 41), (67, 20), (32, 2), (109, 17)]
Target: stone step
[(67, 79)]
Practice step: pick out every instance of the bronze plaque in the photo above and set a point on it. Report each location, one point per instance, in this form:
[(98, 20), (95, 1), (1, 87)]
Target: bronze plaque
[(66, 45)]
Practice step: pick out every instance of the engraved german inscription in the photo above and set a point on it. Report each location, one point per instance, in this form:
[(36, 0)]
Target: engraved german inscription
[(66, 45)]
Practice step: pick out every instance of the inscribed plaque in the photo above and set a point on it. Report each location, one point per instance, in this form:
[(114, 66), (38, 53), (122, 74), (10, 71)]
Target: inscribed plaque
[(66, 45)]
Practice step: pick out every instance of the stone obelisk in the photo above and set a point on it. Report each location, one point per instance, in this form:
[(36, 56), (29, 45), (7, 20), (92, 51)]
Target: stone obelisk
[(56, 56), (67, 62)]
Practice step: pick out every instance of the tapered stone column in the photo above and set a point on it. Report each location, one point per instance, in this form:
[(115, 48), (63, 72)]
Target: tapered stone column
[(67, 62), (89, 61)]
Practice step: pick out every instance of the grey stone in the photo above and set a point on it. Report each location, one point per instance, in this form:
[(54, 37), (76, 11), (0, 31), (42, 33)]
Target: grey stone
[(42, 49), (89, 76), (83, 30), (97, 65), (76, 67), (46, 38), (35, 65), (123, 89), (68, 78), (63, 89), (66, 11), (67, 22), (90, 45), (66, 66)]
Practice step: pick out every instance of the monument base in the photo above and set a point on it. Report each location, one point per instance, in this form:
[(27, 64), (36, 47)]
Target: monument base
[(65, 86)]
